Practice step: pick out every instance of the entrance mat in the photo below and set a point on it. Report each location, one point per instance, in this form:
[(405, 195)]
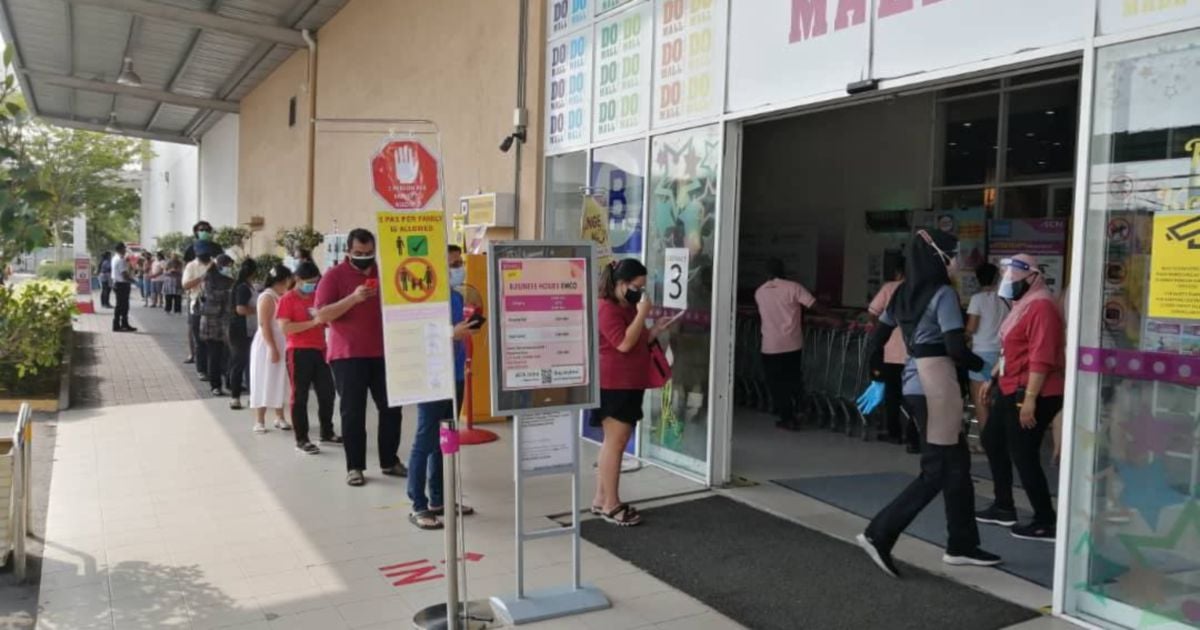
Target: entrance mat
[(768, 573), (865, 495), (981, 470)]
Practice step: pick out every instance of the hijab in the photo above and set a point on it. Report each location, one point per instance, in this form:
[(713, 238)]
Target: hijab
[(925, 274), (1037, 292)]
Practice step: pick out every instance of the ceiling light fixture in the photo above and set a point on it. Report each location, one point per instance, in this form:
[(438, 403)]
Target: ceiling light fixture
[(128, 76)]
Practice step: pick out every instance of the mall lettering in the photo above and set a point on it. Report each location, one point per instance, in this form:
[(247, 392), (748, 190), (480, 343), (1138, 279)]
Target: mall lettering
[(809, 16)]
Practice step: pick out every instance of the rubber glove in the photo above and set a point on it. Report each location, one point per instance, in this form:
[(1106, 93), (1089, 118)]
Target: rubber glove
[(871, 398)]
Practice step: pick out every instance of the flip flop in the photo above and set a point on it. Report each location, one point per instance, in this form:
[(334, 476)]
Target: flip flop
[(426, 520), (628, 516)]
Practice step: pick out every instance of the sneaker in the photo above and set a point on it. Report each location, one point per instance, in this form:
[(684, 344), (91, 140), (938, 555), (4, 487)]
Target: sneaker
[(282, 425), (236, 404), (217, 391), (997, 516), (973, 558), (396, 470), (308, 448), (882, 559), (355, 478), (260, 428), (1034, 531), (331, 439), (189, 360), (204, 378)]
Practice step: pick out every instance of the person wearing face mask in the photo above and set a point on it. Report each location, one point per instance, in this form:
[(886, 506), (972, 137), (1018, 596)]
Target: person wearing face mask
[(216, 313), (625, 364), (348, 301), (240, 330), (926, 310), (268, 371), (1030, 377), (202, 232), (306, 364), (781, 305), (193, 277), (458, 267)]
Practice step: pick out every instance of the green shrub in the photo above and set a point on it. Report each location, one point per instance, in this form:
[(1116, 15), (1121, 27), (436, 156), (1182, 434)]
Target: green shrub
[(34, 317), (265, 262), (56, 271)]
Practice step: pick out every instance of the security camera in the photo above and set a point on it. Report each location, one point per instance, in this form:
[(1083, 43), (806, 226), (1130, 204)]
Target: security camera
[(507, 143)]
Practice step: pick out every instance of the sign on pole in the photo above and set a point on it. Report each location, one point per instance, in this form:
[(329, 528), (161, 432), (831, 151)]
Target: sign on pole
[(405, 174), (675, 278)]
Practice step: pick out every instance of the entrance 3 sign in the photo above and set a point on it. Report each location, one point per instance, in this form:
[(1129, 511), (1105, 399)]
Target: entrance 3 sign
[(543, 306)]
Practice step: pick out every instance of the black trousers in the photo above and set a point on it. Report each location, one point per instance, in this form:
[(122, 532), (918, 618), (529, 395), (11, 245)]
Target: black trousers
[(785, 377), (105, 292), (898, 427), (307, 370), (1007, 443), (121, 312), (214, 356), (239, 360), (199, 348), (173, 303), (944, 469), (355, 378)]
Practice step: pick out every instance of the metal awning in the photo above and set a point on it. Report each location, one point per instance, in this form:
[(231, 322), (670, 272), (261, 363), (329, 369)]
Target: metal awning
[(196, 59)]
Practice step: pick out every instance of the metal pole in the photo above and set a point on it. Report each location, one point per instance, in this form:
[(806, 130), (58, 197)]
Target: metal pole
[(575, 564), (450, 519), (520, 575)]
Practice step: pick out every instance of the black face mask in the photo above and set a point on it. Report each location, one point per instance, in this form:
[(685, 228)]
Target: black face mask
[(1019, 289), (364, 263), (633, 296)]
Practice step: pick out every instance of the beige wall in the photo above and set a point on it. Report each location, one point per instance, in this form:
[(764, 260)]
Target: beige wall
[(452, 61)]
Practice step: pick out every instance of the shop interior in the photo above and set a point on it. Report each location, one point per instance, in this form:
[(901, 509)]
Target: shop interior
[(836, 195)]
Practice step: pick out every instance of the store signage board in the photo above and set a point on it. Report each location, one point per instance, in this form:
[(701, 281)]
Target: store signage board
[(1127, 15), (569, 91), (564, 16), (675, 278), (415, 298), (689, 60), (548, 442), (83, 276), (543, 326), (604, 6), (621, 79)]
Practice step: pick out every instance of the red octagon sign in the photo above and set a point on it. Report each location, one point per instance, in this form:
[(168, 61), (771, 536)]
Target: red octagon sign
[(405, 174)]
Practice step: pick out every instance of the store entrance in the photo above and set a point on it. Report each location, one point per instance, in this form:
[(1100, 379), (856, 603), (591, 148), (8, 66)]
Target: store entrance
[(836, 196)]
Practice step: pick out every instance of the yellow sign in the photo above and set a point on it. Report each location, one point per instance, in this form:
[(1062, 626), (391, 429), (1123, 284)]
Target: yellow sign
[(458, 234), (595, 228), (481, 209), (1175, 266), (475, 293), (412, 257)]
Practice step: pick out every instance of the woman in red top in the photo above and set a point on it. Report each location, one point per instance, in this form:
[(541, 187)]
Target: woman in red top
[(624, 371), (306, 358), (1030, 376)]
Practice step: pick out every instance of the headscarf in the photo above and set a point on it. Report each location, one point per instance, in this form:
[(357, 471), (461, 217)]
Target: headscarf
[(1037, 292), (924, 275)]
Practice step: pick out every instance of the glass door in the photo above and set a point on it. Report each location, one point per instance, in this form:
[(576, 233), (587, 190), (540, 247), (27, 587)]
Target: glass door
[(1133, 520), (680, 250)]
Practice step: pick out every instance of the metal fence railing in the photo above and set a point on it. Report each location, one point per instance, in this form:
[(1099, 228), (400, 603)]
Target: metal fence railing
[(19, 505)]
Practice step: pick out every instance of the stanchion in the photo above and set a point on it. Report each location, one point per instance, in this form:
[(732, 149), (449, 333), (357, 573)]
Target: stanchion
[(470, 615), (471, 435)]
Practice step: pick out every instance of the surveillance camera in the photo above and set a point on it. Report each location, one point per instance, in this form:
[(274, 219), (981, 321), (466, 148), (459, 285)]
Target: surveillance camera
[(506, 144)]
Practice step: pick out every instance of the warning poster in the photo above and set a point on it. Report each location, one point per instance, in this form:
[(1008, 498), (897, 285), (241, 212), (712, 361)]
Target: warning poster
[(415, 296), (1175, 266)]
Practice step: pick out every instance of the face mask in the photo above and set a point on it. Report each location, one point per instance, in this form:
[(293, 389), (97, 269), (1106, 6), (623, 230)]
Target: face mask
[(458, 276), (632, 295), (227, 272), (308, 288), (1013, 289), (204, 235), (362, 262)]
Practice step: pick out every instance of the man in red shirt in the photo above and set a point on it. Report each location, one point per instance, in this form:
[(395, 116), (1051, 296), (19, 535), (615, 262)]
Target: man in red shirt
[(348, 301)]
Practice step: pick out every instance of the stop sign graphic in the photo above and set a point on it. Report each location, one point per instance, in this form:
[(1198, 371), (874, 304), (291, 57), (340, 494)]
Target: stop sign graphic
[(405, 174)]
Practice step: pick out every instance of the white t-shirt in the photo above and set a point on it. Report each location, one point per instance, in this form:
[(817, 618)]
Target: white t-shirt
[(194, 269), (991, 310), (120, 269)]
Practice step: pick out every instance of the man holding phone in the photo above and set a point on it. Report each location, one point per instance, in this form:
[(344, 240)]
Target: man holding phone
[(425, 456), (348, 301)]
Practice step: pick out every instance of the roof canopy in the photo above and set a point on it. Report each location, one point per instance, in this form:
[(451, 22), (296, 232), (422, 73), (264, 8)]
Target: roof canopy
[(196, 59)]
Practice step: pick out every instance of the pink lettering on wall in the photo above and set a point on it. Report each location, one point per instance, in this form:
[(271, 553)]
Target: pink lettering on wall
[(888, 8), (847, 7), (808, 20)]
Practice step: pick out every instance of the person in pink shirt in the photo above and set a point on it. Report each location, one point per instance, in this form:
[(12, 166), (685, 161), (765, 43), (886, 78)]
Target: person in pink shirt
[(900, 430), (781, 305)]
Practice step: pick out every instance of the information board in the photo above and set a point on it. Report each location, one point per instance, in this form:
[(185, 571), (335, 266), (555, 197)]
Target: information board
[(689, 60), (547, 441), (1174, 272), (622, 76), (568, 91), (543, 326), (415, 296)]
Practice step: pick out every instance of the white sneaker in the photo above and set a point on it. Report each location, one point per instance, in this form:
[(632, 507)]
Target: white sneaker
[(282, 425), (260, 428)]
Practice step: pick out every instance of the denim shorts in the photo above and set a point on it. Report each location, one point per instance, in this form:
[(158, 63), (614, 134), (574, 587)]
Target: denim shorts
[(989, 362)]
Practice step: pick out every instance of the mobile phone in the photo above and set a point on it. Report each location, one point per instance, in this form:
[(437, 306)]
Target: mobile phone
[(371, 283), (476, 321)]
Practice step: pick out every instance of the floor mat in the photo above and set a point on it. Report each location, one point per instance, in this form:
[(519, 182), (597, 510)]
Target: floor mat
[(768, 573), (865, 495)]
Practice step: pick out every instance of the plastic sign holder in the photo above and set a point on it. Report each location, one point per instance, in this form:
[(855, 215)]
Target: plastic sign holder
[(545, 381)]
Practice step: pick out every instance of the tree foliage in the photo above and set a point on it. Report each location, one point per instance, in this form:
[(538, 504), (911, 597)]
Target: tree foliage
[(173, 242), (20, 194), (230, 236), (300, 237)]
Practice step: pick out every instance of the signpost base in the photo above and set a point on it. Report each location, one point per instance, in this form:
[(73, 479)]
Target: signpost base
[(476, 436), (476, 616), (549, 604)]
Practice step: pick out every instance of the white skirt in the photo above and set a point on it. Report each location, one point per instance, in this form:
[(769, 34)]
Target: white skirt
[(268, 381)]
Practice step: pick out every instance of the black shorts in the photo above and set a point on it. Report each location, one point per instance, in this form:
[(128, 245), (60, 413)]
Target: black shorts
[(622, 404)]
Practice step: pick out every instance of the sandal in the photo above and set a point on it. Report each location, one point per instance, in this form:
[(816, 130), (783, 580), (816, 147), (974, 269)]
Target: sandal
[(597, 510), (623, 515), (463, 510), (355, 478), (426, 520)]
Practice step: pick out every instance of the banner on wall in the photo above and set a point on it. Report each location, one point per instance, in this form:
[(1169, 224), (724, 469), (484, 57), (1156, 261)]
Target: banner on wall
[(604, 6), (1127, 15), (563, 16), (622, 76), (595, 229), (618, 175), (689, 60), (415, 296), (569, 91), (1044, 238)]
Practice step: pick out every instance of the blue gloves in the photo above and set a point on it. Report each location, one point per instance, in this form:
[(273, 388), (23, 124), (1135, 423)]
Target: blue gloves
[(871, 398)]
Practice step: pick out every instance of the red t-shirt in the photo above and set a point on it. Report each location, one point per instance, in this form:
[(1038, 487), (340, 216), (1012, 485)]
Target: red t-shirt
[(296, 307), (358, 333), (1035, 344), (621, 370)]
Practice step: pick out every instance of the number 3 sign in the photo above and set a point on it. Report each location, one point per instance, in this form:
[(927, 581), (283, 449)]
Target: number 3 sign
[(675, 280)]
